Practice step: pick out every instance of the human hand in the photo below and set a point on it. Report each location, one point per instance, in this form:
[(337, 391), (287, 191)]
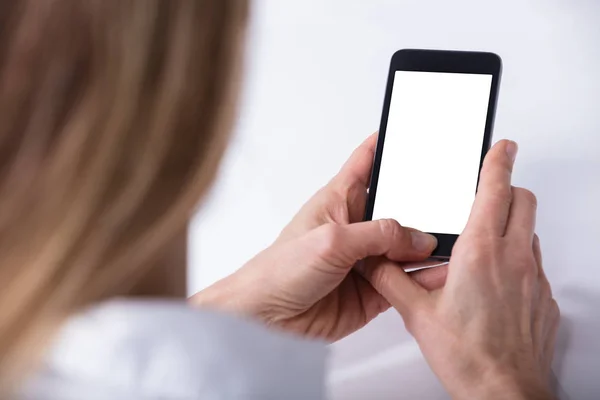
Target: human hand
[(305, 281), (490, 331), (342, 201), (304, 285)]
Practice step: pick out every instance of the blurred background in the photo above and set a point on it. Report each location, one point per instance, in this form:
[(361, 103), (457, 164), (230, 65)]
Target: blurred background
[(314, 85)]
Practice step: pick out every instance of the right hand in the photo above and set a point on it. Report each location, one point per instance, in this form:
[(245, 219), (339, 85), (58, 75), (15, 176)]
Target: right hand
[(489, 333)]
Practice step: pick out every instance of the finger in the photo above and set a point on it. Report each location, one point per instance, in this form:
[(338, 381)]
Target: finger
[(537, 254), (550, 339), (371, 301), (537, 250), (344, 245), (546, 307), (356, 201), (492, 202), (545, 289), (521, 221), (357, 170), (343, 200), (430, 278), (395, 285)]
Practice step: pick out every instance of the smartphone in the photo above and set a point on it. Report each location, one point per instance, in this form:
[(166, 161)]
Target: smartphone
[(436, 128)]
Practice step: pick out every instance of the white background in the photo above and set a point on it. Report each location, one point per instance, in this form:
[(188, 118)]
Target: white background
[(432, 150), (314, 89)]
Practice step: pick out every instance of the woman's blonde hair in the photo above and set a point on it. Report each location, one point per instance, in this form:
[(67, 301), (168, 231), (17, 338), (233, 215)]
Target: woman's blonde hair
[(114, 116)]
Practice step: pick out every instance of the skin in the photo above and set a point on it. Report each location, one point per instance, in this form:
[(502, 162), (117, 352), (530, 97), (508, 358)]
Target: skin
[(486, 324), (305, 282), (490, 331)]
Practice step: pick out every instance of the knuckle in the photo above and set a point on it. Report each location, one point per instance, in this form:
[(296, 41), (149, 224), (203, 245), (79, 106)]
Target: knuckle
[(473, 251), (379, 279), (477, 244), (336, 209), (527, 278), (494, 197), (537, 251), (472, 257), (527, 269), (554, 309), (525, 195), (330, 237), (499, 193), (525, 264), (420, 319), (545, 289), (390, 228)]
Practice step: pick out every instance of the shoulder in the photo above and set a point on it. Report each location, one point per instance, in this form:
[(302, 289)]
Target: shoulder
[(155, 349)]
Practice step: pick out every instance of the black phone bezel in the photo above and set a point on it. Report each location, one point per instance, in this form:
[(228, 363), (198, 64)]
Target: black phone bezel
[(470, 62)]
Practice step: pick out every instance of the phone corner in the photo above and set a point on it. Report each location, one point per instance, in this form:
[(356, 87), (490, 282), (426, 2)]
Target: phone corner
[(496, 60)]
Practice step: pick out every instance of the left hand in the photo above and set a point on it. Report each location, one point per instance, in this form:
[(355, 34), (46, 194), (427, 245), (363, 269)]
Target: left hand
[(342, 201), (305, 281)]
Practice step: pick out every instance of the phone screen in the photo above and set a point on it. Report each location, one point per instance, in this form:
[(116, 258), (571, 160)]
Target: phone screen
[(432, 149)]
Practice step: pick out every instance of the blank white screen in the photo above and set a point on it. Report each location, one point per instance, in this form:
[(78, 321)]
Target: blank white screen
[(432, 149)]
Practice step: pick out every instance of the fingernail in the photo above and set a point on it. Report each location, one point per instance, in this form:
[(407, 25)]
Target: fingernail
[(423, 242), (511, 150)]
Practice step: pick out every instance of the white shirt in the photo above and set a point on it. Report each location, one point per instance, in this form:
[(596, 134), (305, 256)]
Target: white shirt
[(154, 350)]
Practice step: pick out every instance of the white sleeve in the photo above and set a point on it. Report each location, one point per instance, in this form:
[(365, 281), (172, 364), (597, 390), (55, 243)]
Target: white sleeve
[(159, 350)]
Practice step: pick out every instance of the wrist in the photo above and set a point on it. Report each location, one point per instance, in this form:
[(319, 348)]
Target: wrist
[(221, 296), (503, 386), (232, 297), (229, 296)]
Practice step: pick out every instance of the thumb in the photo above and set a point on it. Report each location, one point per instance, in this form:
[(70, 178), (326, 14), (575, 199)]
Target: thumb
[(344, 245), (396, 286), (326, 255)]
